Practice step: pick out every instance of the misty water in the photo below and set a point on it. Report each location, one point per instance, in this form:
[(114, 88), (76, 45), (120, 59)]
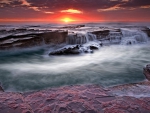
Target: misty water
[(33, 69)]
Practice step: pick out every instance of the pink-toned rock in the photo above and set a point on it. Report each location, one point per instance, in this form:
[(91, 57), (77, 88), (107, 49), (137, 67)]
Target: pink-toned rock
[(74, 99), (146, 72), (13, 103)]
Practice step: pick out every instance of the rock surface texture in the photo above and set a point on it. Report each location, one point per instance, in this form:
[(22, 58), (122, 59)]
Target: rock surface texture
[(146, 72), (30, 38), (73, 99)]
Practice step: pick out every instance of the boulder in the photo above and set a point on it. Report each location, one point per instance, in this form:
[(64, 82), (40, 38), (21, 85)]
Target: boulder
[(146, 72)]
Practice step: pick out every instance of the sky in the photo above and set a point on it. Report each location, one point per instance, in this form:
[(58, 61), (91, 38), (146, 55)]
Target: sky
[(75, 10)]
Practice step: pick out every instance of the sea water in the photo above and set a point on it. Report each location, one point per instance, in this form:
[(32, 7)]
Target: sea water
[(32, 69)]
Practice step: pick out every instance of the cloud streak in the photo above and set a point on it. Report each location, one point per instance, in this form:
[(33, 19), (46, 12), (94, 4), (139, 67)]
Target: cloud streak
[(71, 11)]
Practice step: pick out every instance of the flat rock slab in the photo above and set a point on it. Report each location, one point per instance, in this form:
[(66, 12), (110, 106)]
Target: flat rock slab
[(73, 99)]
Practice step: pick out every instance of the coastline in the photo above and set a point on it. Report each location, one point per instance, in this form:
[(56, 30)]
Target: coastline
[(80, 99)]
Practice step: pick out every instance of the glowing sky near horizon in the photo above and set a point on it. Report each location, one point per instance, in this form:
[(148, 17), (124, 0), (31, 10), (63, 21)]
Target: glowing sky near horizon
[(74, 10)]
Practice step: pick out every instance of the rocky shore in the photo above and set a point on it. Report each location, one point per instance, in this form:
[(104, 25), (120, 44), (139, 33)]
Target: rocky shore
[(71, 35), (130, 98), (23, 38)]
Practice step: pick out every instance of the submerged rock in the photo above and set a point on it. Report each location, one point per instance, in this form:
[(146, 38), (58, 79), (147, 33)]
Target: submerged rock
[(146, 72)]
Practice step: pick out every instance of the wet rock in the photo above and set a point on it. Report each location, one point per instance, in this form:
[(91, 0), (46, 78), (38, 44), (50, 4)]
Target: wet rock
[(71, 49), (74, 99), (73, 26), (94, 46), (146, 72), (74, 49), (141, 89), (25, 39), (80, 38), (1, 89), (101, 34), (147, 31)]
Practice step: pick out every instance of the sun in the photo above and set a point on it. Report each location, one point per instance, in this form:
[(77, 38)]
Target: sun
[(67, 20)]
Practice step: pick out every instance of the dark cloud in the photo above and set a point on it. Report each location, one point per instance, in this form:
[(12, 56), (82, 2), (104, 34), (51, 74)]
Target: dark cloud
[(56, 6), (136, 3), (77, 4)]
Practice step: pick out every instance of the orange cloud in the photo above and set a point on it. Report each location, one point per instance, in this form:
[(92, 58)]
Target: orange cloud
[(49, 12), (9, 1), (34, 8), (116, 7), (71, 11), (24, 2), (145, 7)]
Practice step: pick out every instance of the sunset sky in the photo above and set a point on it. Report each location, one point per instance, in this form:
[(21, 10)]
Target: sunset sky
[(75, 10)]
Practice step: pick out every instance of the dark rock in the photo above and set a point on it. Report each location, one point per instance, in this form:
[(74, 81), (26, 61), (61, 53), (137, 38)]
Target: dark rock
[(146, 72), (34, 38), (101, 34), (1, 89), (78, 26), (147, 31), (92, 47), (21, 29), (74, 49), (73, 26)]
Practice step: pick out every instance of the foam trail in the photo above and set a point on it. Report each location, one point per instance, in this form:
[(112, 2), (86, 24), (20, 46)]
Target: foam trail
[(108, 66)]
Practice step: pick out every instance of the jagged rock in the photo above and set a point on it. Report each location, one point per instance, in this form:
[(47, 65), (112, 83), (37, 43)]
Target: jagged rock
[(146, 72), (73, 49)]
